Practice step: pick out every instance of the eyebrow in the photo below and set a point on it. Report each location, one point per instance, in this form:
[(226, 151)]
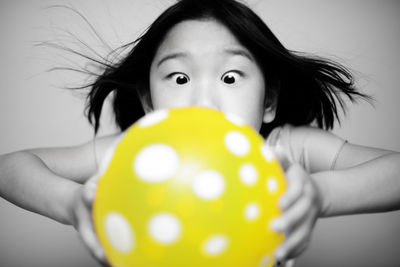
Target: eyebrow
[(228, 51), (239, 52), (171, 56)]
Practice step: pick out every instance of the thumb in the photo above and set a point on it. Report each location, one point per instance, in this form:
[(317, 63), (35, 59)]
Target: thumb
[(89, 191), (282, 157), (279, 152)]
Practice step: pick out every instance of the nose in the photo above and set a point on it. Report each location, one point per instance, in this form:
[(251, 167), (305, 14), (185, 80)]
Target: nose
[(205, 94)]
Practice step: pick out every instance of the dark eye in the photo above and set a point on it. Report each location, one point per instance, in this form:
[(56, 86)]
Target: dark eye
[(230, 77), (180, 78)]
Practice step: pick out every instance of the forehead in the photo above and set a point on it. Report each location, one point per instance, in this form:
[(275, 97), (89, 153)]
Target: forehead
[(199, 36)]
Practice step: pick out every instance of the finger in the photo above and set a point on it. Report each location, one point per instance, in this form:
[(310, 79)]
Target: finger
[(296, 181), (295, 243), (89, 192), (292, 217), (280, 154), (86, 228), (87, 233), (298, 250), (95, 178), (289, 263)]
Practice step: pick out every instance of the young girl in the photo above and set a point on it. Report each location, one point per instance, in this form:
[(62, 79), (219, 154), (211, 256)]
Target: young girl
[(219, 54)]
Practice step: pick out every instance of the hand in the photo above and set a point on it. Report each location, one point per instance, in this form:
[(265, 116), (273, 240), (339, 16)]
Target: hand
[(301, 206), (82, 219)]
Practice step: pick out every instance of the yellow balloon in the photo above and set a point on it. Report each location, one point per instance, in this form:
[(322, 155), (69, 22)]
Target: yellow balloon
[(189, 187)]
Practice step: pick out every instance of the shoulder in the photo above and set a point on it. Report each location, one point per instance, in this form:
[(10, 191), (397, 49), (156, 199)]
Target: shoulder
[(313, 148)]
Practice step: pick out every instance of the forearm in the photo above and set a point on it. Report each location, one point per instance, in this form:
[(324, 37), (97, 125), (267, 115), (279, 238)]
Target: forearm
[(371, 187), (27, 182)]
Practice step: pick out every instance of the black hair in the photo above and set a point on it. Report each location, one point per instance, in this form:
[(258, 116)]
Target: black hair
[(303, 89)]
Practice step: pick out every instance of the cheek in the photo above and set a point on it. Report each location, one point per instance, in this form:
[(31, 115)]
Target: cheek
[(159, 97), (164, 98), (248, 107), (153, 88), (255, 119), (255, 104)]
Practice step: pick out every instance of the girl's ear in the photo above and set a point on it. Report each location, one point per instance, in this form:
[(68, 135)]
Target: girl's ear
[(147, 108), (269, 113), (145, 99)]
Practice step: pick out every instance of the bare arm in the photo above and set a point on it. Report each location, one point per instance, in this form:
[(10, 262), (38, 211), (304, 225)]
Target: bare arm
[(365, 180), (45, 181), (26, 181), (335, 178), (352, 178)]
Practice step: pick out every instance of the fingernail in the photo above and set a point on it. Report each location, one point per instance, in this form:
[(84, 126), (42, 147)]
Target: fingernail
[(88, 196), (276, 225), (283, 203), (92, 186), (101, 255), (279, 254)]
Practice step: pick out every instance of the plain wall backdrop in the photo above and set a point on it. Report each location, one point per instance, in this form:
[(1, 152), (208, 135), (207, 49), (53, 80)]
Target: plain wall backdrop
[(36, 112)]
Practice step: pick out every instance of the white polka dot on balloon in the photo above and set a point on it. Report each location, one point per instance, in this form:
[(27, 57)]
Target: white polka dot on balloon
[(215, 244), (119, 232), (272, 184), (165, 228), (267, 153), (252, 211), (208, 184), (156, 163), (248, 174), (153, 118), (237, 143)]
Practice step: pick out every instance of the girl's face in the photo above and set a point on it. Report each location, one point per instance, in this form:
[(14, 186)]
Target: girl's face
[(200, 63)]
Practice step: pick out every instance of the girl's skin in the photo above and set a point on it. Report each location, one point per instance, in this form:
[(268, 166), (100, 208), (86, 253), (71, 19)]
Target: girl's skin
[(201, 63)]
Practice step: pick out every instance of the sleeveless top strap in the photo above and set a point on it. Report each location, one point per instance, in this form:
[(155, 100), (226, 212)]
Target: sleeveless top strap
[(281, 137)]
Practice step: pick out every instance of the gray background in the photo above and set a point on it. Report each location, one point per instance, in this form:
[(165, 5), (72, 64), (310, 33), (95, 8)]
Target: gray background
[(35, 112)]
